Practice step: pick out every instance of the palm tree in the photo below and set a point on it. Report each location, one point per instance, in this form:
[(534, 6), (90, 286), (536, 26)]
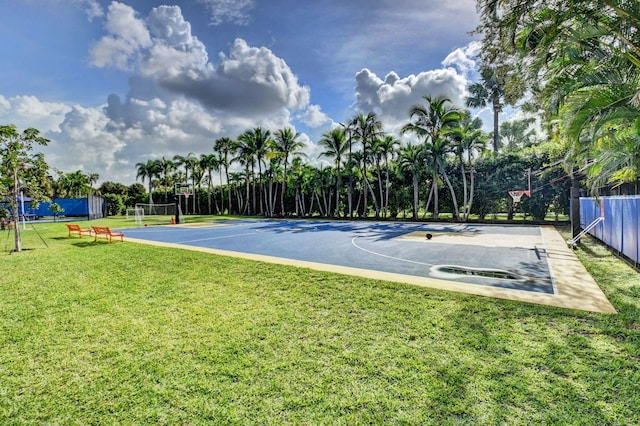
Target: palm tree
[(336, 145), (489, 90), (91, 179), (432, 123), (225, 146), (74, 184), (367, 128), (286, 144), (387, 147), (209, 164), (467, 140), (257, 141), (180, 160), (149, 171), (411, 159), (196, 177), (245, 155), (166, 167), (189, 163), (349, 132)]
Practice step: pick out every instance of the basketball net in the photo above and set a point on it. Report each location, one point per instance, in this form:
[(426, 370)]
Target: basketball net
[(517, 195)]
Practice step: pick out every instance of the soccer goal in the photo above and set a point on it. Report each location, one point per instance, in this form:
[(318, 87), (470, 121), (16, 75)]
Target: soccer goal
[(136, 214), (158, 213)]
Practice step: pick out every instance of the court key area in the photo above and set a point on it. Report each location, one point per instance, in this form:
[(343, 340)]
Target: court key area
[(523, 263)]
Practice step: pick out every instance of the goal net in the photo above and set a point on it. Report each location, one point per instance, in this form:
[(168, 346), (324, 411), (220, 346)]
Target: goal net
[(159, 213), (136, 214)]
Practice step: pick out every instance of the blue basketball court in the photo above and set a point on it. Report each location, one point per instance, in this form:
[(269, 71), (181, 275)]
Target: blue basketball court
[(513, 262)]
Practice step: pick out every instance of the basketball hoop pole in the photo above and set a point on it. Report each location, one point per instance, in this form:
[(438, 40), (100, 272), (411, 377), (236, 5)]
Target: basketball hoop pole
[(176, 201)]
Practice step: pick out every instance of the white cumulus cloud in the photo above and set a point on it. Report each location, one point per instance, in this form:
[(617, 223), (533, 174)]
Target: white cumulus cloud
[(392, 97), (464, 58), (127, 36), (314, 117), (29, 111)]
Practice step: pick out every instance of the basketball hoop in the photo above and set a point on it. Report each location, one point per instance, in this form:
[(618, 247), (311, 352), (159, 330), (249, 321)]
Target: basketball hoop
[(183, 189), (517, 195)]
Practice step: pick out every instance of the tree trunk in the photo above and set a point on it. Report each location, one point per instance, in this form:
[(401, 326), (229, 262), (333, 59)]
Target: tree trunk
[(284, 188), (426, 207), (471, 190), (464, 190), (456, 210), (373, 197), (338, 179), (415, 196), (434, 185), (496, 127), (14, 209)]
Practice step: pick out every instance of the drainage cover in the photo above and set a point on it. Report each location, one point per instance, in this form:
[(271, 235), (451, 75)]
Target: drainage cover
[(446, 271)]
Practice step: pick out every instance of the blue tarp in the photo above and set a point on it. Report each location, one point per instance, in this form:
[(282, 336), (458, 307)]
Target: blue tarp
[(71, 206), (621, 221), (92, 207)]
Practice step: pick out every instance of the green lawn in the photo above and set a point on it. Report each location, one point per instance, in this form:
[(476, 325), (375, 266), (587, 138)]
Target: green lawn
[(97, 333)]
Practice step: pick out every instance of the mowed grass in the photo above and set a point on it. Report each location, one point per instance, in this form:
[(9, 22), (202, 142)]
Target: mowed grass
[(98, 333)]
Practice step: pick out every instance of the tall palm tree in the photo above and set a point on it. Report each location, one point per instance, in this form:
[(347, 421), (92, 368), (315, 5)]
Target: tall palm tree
[(349, 129), (166, 167), (245, 155), (286, 145), (258, 140), (181, 161), (432, 122), (196, 178), (189, 163), (225, 146), (367, 128), (336, 145), (149, 171), (467, 140), (209, 164), (387, 147), (411, 159), (489, 90)]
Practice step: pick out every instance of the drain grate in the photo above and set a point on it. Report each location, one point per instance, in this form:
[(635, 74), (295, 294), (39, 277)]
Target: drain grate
[(476, 272)]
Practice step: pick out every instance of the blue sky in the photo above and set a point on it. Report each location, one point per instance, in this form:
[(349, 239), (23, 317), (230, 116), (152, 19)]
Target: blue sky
[(117, 83)]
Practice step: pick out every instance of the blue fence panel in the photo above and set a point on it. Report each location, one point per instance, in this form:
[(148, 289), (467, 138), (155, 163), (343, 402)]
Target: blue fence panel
[(614, 222), (71, 206), (590, 211), (621, 224), (630, 221)]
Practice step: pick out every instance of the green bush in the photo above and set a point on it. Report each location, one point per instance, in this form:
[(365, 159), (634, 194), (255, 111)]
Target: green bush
[(115, 204)]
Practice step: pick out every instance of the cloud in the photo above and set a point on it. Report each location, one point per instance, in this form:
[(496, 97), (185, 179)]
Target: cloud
[(92, 9), (249, 81), (127, 36), (177, 100), (464, 58), (29, 111), (234, 11), (392, 97), (314, 117)]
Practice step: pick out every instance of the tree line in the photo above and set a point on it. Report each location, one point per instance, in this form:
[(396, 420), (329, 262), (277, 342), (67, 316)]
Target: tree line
[(371, 173)]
